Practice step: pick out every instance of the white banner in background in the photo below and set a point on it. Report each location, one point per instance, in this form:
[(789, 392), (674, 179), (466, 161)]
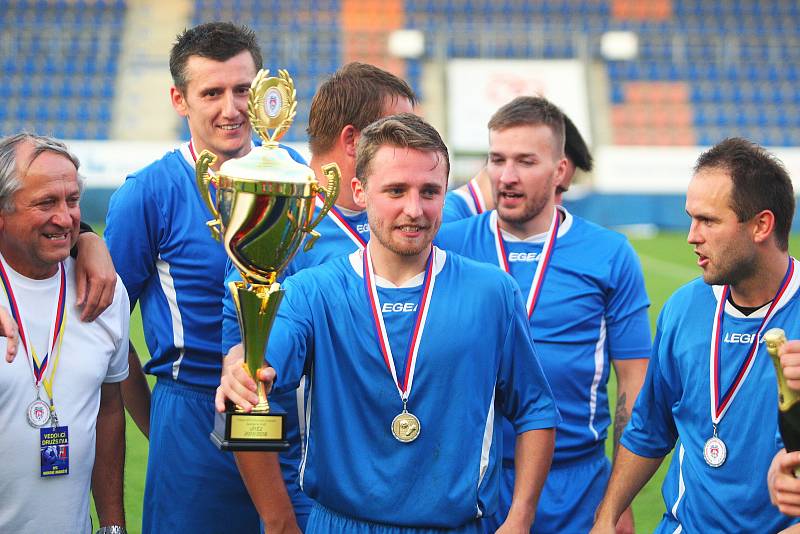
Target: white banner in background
[(105, 164), (476, 88)]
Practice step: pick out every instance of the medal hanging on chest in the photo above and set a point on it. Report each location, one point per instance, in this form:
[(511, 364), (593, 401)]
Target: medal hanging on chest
[(715, 452), (405, 427), (544, 258), (39, 413)]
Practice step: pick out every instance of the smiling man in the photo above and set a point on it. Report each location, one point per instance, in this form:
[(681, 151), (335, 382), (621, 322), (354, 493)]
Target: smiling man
[(169, 262), (402, 427), (60, 404), (710, 387)]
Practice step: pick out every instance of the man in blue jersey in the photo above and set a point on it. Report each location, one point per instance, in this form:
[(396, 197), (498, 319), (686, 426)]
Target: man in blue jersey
[(586, 305), (169, 263), (710, 387), (475, 197), (403, 418), (353, 97)]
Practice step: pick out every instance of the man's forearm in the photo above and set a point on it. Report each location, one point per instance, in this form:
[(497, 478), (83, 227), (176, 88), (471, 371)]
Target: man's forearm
[(262, 476), (532, 458), (631, 472), (109, 462), (136, 393)]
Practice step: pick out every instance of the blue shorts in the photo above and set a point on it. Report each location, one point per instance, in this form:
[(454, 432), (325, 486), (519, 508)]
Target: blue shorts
[(569, 498), (191, 486), (325, 521)]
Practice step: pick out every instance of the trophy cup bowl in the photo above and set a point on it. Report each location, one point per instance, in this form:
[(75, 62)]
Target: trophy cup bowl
[(263, 210)]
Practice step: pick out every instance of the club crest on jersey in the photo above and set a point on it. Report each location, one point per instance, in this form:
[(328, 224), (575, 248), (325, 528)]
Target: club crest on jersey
[(389, 307), (735, 337), (523, 256)]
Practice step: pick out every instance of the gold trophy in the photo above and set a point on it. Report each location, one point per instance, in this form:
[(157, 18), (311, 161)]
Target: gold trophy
[(263, 209)]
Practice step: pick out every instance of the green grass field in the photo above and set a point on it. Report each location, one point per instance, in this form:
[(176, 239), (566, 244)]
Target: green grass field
[(668, 262)]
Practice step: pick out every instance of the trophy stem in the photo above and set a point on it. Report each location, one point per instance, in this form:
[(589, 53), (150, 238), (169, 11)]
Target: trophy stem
[(263, 403)]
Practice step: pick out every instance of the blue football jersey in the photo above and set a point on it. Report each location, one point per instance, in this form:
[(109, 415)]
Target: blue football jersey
[(674, 410), (592, 308), (461, 386), (164, 253), (458, 205)]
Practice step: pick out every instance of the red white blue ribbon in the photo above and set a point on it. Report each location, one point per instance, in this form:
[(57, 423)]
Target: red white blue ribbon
[(720, 404), (404, 387), (38, 366), (477, 197), (544, 258), (342, 223)]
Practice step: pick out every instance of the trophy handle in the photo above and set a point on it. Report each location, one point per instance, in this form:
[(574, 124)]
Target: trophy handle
[(205, 178), (334, 176)]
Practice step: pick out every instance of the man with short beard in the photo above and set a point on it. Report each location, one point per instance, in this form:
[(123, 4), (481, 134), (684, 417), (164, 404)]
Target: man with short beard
[(586, 305), (710, 387), (402, 427)]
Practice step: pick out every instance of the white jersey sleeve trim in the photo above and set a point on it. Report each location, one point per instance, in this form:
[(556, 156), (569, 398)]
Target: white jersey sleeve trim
[(599, 367), (681, 489), (467, 198), (488, 433), (168, 287), (304, 435)]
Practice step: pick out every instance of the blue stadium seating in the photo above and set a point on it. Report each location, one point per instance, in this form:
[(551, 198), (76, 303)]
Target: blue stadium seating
[(59, 60)]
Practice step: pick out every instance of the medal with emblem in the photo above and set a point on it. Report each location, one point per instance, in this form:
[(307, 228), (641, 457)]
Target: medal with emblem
[(715, 452), (38, 413), (405, 426)]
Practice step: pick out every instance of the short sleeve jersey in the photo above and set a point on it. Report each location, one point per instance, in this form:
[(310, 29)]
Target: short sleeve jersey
[(592, 308)]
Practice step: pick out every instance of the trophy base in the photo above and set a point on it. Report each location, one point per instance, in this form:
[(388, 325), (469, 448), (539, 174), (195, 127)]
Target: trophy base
[(235, 431)]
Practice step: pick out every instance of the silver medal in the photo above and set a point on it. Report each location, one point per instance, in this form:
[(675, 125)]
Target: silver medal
[(715, 452), (38, 413)]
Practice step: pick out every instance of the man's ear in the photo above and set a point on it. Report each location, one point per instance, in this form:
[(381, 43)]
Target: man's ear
[(763, 226), (178, 101), (348, 138), (359, 193)]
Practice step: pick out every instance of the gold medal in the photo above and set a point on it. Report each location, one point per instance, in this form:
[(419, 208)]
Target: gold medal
[(405, 427)]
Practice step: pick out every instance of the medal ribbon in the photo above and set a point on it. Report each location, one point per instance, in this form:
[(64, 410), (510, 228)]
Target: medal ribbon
[(191, 151), (342, 223), (403, 388), (56, 332), (720, 405), (544, 259), (477, 196)]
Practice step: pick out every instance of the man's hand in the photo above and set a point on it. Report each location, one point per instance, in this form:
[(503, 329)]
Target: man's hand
[(625, 523), (236, 384), (95, 276), (790, 361), (8, 329), (784, 488)]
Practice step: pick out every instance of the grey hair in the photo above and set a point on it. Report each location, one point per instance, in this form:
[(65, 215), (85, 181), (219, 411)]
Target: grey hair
[(9, 177)]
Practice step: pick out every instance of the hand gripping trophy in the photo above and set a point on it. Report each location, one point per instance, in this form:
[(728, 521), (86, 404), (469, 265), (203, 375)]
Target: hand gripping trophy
[(263, 209)]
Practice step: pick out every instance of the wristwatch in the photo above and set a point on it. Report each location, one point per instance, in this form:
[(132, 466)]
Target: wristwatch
[(111, 529)]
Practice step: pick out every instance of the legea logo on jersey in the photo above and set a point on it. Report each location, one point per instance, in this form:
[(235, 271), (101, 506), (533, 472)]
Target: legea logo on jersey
[(733, 337), (523, 256), (362, 228), (389, 307)]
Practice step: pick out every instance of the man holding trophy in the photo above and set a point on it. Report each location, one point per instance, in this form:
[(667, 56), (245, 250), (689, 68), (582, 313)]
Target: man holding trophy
[(156, 234), (353, 97), (389, 400)]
